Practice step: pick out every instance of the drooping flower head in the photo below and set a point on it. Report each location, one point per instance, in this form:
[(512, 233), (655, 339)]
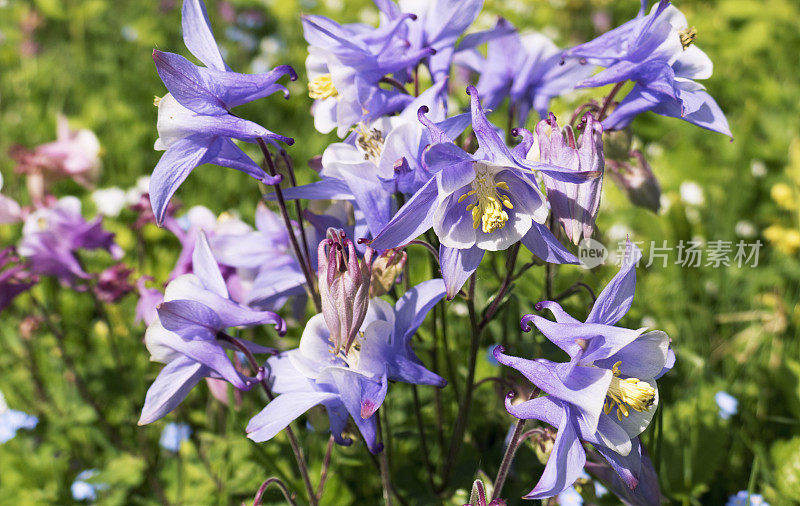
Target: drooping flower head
[(195, 124), (605, 395), (189, 335), (486, 201), (350, 384), (575, 205)]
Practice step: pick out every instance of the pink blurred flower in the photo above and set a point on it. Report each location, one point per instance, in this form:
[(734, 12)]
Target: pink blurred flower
[(74, 154)]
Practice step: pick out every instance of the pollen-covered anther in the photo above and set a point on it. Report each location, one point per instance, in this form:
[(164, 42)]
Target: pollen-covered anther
[(321, 87), (157, 100), (628, 394), (687, 35), (489, 203), (370, 142)]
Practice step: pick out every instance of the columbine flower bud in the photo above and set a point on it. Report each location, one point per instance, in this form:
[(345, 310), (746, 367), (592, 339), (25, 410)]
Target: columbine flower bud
[(574, 205), (385, 270), (638, 182), (343, 287)]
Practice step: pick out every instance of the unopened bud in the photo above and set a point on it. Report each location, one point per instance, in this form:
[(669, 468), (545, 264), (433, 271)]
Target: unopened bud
[(637, 181), (385, 270), (343, 287)]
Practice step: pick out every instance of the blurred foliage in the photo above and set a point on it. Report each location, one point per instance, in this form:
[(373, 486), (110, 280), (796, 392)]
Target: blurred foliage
[(733, 329)]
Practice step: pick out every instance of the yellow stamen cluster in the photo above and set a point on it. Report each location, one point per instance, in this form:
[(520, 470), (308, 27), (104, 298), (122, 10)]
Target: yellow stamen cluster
[(370, 142), (687, 35), (157, 100), (322, 87), (489, 203), (627, 394)]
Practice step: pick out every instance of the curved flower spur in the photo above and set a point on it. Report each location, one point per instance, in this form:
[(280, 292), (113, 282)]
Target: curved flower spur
[(486, 201), (195, 125), (605, 395)]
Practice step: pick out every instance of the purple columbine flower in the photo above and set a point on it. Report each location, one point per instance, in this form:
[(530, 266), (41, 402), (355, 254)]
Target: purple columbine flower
[(437, 25), (656, 51), (479, 202), (189, 335), (195, 125), (605, 395), (14, 277), (529, 69), (351, 384), (52, 236), (345, 65), (379, 159), (574, 205)]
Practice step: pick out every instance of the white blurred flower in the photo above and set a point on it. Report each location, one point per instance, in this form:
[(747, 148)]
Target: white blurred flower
[(618, 232), (109, 201), (692, 194), (654, 150), (649, 322), (758, 168), (745, 229)]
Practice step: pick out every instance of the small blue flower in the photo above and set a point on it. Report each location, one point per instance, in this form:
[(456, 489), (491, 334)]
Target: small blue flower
[(12, 420), (173, 435), (82, 490), (741, 499), (728, 405)]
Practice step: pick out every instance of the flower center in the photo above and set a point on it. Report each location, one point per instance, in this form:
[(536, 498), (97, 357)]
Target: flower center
[(322, 87), (370, 142), (489, 203), (627, 394), (687, 35)]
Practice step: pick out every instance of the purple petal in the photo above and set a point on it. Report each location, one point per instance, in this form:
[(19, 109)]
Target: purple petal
[(565, 463), (414, 218), (412, 308), (616, 298), (170, 387), (457, 265), (197, 34), (545, 408), (544, 245), (205, 267), (488, 139), (282, 411), (583, 387), (173, 168)]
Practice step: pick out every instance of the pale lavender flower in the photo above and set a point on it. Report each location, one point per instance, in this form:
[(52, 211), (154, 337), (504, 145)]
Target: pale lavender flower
[(605, 395), (189, 335), (351, 384), (195, 124)]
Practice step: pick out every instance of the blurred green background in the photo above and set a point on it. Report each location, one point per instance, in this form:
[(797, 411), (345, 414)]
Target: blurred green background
[(734, 329)]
